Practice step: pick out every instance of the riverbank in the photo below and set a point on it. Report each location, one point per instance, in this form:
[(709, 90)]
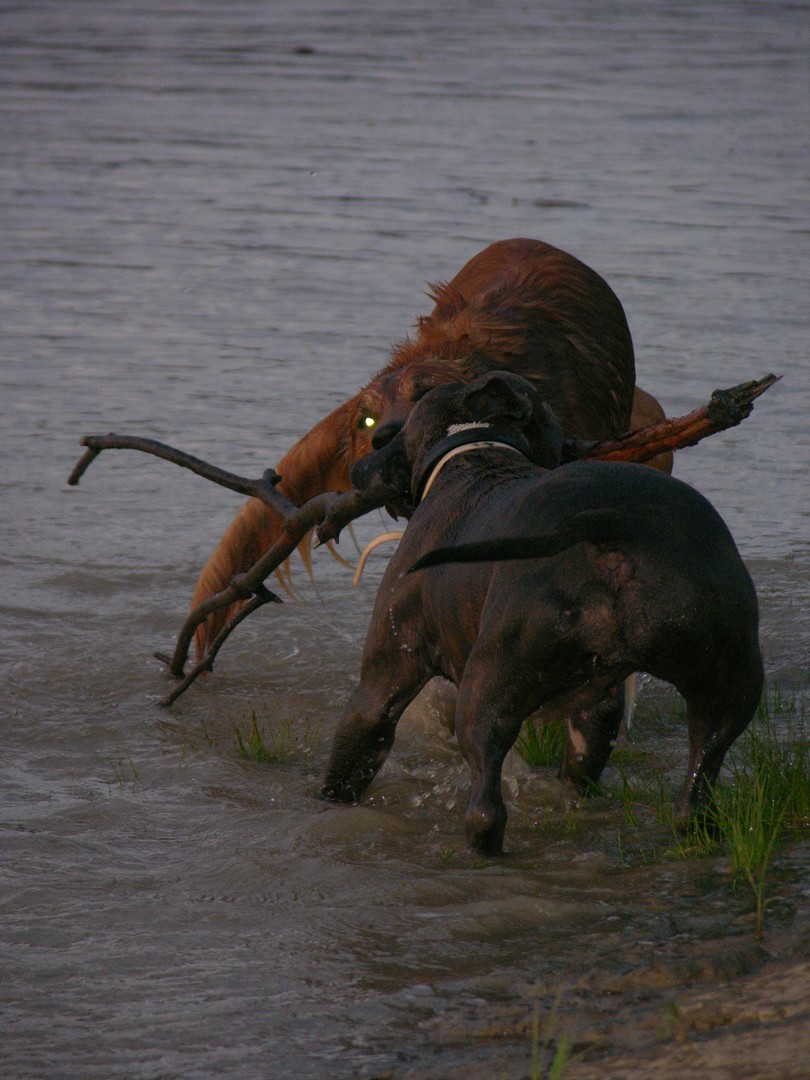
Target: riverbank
[(713, 1003)]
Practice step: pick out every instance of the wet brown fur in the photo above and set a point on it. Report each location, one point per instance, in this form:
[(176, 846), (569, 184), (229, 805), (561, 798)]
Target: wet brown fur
[(519, 305)]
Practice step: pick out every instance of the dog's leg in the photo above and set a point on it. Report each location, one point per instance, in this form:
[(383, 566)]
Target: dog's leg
[(365, 733), (487, 724), (715, 716), (590, 739)]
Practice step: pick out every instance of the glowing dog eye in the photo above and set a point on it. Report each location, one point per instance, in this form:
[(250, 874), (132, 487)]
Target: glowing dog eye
[(369, 421)]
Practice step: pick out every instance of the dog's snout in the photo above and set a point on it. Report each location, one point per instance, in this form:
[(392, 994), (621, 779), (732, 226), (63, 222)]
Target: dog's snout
[(385, 433)]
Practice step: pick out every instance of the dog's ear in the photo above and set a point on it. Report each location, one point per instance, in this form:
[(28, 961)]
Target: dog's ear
[(501, 396)]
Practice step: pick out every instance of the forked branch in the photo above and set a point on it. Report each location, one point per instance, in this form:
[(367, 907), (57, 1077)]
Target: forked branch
[(327, 513), (263, 489), (330, 512)]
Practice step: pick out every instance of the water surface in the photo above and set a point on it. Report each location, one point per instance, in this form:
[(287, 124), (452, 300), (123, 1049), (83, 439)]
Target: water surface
[(216, 219)]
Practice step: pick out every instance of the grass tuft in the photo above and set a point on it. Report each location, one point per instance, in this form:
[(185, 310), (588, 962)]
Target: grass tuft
[(768, 796), (274, 741), (548, 1039), (765, 797), (542, 745), (761, 800), (126, 772)]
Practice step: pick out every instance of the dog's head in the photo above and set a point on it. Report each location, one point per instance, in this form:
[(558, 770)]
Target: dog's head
[(497, 407)]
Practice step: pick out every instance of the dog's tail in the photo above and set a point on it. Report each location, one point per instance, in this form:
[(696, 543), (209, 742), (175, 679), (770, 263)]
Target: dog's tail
[(318, 462), (604, 526)]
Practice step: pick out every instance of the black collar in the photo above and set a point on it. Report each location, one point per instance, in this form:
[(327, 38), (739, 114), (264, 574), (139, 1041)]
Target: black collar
[(466, 435)]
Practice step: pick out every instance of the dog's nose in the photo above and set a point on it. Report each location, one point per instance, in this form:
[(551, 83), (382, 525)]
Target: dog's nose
[(385, 433)]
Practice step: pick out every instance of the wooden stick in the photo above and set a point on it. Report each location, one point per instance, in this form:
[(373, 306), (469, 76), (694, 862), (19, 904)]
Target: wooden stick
[(264, 488), (726, 409)]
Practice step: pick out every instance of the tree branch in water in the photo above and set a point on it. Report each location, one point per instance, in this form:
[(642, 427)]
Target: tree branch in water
[(330, 512)]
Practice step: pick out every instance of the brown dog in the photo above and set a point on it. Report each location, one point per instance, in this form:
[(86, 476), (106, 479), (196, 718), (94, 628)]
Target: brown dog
[(546, 588), (520, 306)]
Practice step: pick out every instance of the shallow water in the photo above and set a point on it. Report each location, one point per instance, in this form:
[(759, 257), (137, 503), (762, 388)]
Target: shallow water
[(216, 219)]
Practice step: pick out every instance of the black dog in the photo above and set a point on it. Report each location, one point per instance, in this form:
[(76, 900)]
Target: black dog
[(612, 568)]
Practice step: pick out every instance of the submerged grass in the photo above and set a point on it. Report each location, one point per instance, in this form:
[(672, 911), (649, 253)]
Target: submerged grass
[(126, 772), (544, 1037), (275, 740), (561, 1046)]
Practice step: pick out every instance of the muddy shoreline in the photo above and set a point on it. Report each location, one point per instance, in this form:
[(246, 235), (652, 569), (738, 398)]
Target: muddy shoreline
[(712, 1003)]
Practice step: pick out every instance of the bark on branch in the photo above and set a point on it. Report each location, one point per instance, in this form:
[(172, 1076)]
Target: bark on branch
[(726, 409), (330, 512)]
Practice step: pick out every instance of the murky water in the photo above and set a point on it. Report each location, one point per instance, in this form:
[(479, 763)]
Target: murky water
[(216, 218)]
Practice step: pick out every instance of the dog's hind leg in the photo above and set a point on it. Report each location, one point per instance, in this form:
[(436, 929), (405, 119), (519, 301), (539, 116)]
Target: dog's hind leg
[(489, 717), (716, 714), (590, 737)]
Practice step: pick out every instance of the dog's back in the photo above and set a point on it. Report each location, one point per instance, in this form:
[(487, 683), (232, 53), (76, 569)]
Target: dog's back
[(625, 550), (649, 546)]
